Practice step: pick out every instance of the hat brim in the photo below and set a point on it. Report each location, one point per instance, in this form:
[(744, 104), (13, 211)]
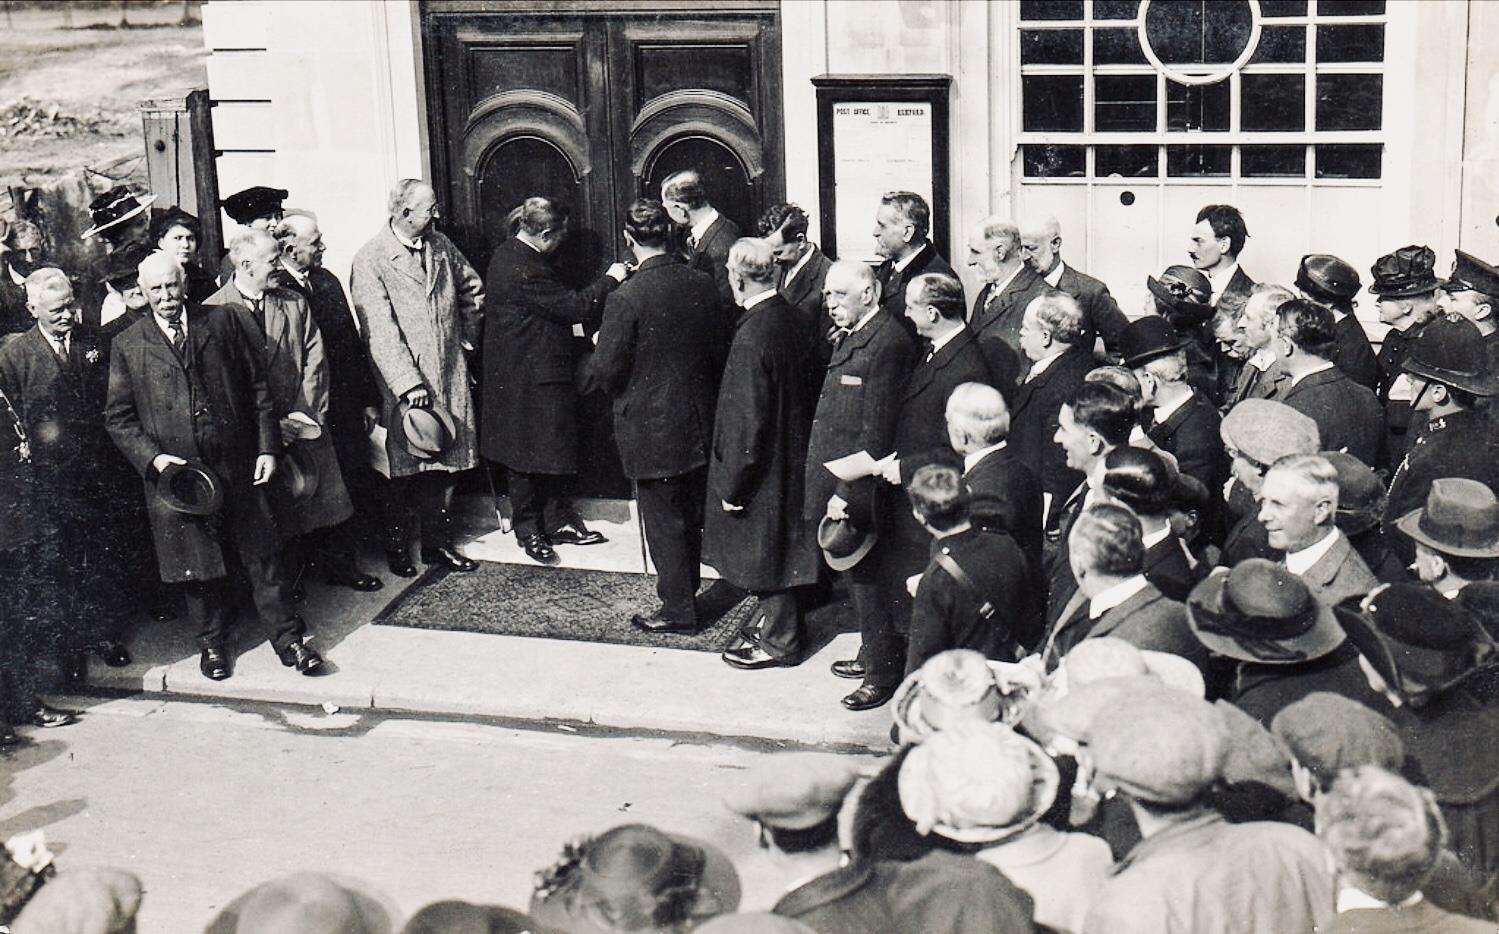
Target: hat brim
[(1410, 524), (1420, 287), (141, 203), (911, 712), (1045, 780), (1479, 384), (852, 558), (448, 430), (1163, 294), (166, 489), (1324, 636), (300, 482)]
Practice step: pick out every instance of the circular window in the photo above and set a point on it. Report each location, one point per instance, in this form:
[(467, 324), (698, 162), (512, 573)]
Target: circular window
[(1199, 41)]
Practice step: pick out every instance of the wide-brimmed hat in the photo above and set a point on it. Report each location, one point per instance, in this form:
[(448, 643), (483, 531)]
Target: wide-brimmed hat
[(1265, 431), (1261, 612), (306, 901), (1460, 517), (114, 207), (1452, 351), (428, 432), (1185, 292), (1361, 497), (623, 866), (258, 201), (1419, 642), (976, 783), (1326, 278), (1148, 338), (844, 543), (1405, 273), (191, 489), (1470, 272), (795, 791), (960, 685)]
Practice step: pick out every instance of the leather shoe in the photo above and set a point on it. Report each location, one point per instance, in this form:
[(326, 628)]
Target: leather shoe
[(752, 658), (868, 696), (576, 533), (657, 622), (73, 667), (300, 655), (367, 583), (539, 549), (214, 664), (114, 654), (400, 563), (848, 668), (449, 558), (49, 717)]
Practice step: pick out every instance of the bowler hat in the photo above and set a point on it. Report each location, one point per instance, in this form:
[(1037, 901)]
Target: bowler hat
[(976, 783), (428, 432), (1159, 745), (1185, 293), (114, 207), (795, 791), (191, 489), (1261, 612), (1361, 496), (1470, 272), (1419, 642), (258, 201), (1460, 518), (1326, 278), (843, 543), (1147, 338), (1451, 351), (1264, 431), (121, 267), (1405, 273), (959, 685)]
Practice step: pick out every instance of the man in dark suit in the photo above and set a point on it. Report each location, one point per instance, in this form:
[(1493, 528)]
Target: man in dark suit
[(709, 233), (1298, 508), (1041, 245), (1405, 287), (187, 386), (753, 532), (801, 270), (1332, 283), (1049, 336), (1348, 416), (901, 227), (1003, 491), (1009, 286), (858, 410), (1214, 247), (655, 357), (530, 418)]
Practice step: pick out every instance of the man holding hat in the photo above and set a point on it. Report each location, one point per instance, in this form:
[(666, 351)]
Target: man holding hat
[(1256, 433), (1193, 873), (1456, 535), (1451, 433), (1406, 291), (1332, 283)]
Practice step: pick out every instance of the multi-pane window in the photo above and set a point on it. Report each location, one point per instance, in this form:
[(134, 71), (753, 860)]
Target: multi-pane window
[(1202, 89)]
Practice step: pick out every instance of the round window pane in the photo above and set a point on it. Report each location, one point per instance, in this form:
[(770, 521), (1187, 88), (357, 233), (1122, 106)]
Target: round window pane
[(1198, 41)]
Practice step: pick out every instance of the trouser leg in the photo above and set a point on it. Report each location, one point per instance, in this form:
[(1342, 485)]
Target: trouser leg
[(435, 491), (268, 590), (400, 512), (776, 623), (671, 512), (207, 606), (880, 645), (538, 502)]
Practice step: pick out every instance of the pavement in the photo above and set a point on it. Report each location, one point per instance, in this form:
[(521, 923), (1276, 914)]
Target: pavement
[(513, 679)]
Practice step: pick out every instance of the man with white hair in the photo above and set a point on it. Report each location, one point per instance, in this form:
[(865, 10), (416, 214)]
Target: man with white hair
[(188, 389), (1041, 245), (418, 302), (1263, 376), (1010, 284), (1298, 507), (1004, 493), (1051, 337)]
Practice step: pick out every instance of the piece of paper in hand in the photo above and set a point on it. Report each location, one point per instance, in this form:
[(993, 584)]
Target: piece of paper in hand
[(853, 466), (379, 459)]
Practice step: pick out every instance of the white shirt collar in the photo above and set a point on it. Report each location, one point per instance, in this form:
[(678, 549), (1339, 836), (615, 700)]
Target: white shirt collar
[(1001, 284), (945, 339), (58, 343), (1055, 276), (181, 323), (1297, 379), (301, 277), (15, 277), (1220, 280), (1039, 367), (1115, 595), (760, 298), (910, 258), (800, 264), (1351, 899), (969, 460), (412, 244), (1164, 412), (247, 296), (701, 227), (864, 320), (1299, 562), (1152, 539), (1262, 359)]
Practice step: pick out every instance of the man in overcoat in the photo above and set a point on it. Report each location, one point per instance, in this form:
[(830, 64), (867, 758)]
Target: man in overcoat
[(1009, 286), (530, 358), (1050, 334), (902, 232), (753, 533), (656, 358), (418, 304), (282, 329), (57, 377), (1041, 245), (186, 385), (709, 234), (1405, 288), (1347, 414), (801, 270)]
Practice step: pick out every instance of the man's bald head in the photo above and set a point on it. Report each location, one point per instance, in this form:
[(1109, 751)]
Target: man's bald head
[(1040, 241)]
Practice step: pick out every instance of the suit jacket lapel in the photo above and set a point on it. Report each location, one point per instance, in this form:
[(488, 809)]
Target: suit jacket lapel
[(40, 345), (401, 258), (855, 340), (1161, 431), (276, 325), (1326, 567)]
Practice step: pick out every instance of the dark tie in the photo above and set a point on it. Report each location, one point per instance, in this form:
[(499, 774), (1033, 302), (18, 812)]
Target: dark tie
[(175, 335), (836, 336), (257, 311)]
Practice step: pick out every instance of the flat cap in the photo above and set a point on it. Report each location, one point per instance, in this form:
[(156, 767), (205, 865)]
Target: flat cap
[(1265, 430), (1328, 733), (258, 201), (795, 791), (1159, 745), (1407, 272)]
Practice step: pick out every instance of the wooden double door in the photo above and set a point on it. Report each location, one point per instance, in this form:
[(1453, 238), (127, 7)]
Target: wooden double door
[(594, 104)]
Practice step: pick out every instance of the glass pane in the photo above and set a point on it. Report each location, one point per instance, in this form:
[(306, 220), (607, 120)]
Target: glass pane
[(1051, 9), (1272, 161), (1272, 102), (1051, 102), (1184, 32), (1280, 44), (1350, 102), (1349, 161), (1118, 47), (1350, 7), (1124, 102), (1115, 9), (1051, 47), (1282, 7), (1363, 43), (1197, 106), (1199, 161), (1125, 161), (1054, 161)]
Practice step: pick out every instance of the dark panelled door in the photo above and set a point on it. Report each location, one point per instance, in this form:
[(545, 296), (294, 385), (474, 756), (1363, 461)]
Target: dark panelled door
[(593, 104)]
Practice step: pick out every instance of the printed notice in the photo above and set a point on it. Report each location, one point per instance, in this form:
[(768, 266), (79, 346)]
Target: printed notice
[(877, 147)]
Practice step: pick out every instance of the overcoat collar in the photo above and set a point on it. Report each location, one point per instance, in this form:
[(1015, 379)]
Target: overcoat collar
[(927, 370), (272, 305), (408, 263), (1116, 616), (859, 338), (1326, 567)]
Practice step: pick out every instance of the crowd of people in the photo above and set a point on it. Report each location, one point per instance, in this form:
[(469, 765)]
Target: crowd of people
[(1188, 617)]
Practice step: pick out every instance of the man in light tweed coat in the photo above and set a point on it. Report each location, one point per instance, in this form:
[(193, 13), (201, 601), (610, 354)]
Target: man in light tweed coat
[(418, 300)]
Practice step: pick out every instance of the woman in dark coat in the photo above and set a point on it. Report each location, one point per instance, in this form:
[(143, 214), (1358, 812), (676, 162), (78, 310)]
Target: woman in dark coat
[(178, 234)]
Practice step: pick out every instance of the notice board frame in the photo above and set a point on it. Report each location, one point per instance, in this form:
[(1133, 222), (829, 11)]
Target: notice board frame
[(933, 89)]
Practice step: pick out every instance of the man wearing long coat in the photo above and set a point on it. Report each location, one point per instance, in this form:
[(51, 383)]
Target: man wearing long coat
[(418, 301), (753, 533)]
